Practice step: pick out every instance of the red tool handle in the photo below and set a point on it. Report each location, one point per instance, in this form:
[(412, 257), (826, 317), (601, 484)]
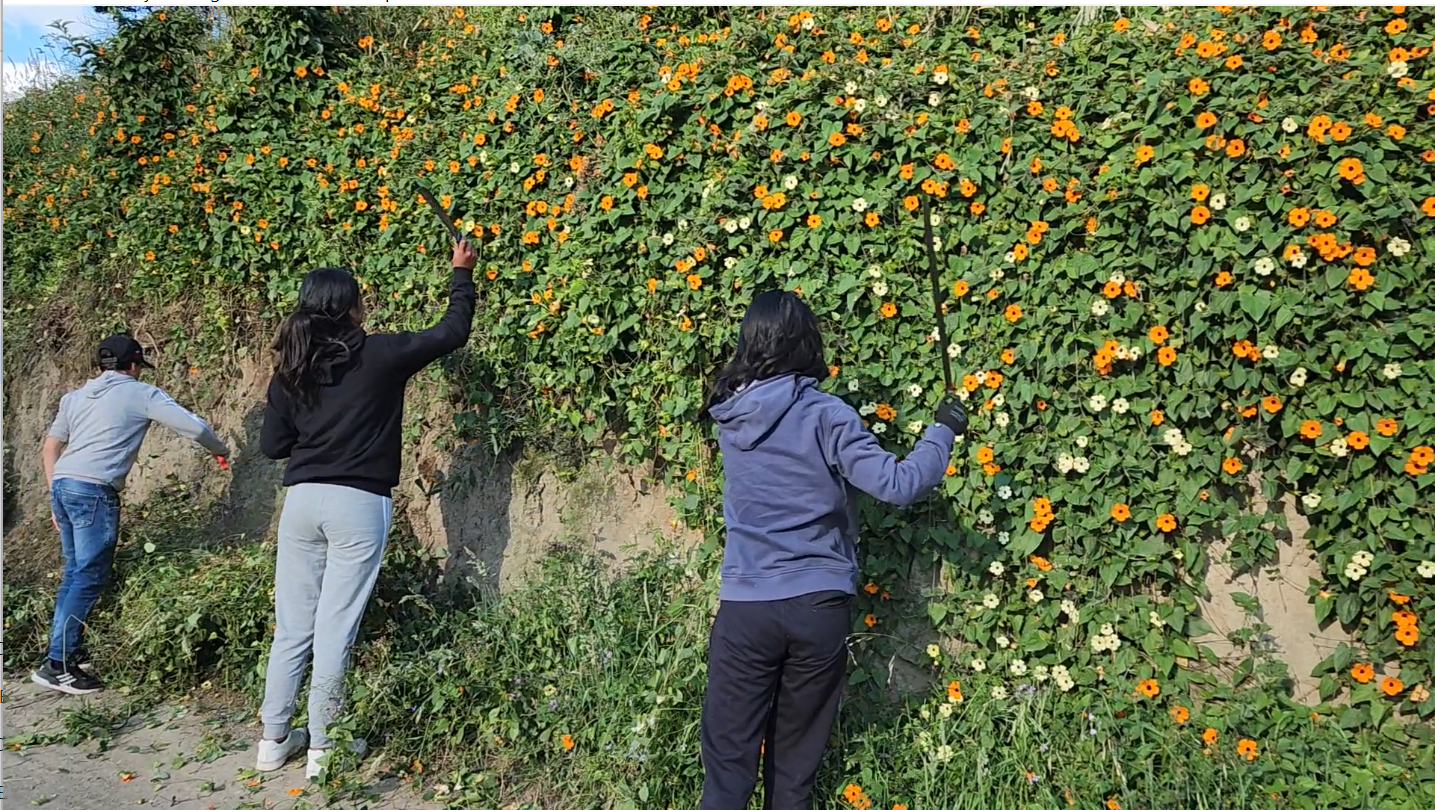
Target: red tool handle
[(223, 463)]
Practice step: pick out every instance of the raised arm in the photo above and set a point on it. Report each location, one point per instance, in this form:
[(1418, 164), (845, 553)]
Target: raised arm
[(277, 436), (167, 412), (855, 453), (414, 350)]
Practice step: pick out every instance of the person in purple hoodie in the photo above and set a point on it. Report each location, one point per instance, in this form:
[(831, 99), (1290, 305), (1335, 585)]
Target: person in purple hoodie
[(794, 459)]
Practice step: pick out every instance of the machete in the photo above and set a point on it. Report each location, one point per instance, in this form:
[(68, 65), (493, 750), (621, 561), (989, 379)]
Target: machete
[(444, 216)]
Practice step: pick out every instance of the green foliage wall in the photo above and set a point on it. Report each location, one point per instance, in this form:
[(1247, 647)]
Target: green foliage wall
[(1184, 255)]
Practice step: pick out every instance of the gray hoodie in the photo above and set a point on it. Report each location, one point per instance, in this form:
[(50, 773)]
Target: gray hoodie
[(104, 422)]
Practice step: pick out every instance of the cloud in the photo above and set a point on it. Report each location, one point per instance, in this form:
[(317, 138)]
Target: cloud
[(22, 76)]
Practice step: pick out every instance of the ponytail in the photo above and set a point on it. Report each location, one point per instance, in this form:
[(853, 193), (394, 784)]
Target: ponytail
[(310, 342)]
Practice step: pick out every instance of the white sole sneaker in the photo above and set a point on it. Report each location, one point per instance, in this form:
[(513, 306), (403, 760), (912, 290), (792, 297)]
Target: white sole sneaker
[(274, 754), (319, 758)]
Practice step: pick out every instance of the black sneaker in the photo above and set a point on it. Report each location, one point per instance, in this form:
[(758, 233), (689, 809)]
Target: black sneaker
[(71, 680), (81, 659)]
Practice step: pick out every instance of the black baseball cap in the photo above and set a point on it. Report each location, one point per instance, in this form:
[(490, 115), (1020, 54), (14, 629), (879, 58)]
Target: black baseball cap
[(120, 351)]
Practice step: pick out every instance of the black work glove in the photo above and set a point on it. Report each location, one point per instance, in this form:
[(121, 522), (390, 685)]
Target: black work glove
[(953, 415)]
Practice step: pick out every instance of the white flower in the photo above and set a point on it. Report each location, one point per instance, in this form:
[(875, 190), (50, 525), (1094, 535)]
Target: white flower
[(996, 569), (1123, 353), (1010, 256), (953, 350), (1065, 684), (944, 752), (933, 99), (990, 601), (852, 385), (1339, 448), (1298, 261), (868, 409), (1426, 569), (859, 205), (1289, 124), (1068, 607), (996, 274), (1183, 449), (1032, 92), (1081, 441), (1002, 419), (879, 428), (1397, 70), (730, 226), (668, 239), (1040, 672), (915, 426), (1018, 667), (1117, 278), (1064, 463), (1134, 352), (1270, 351), (1242, 224), (1398, 247), (1200, 306), (1362, 558), (1035, 595), (1353, 571), (1060, 671), (914, 390), (789, 182), (1218, 202), (1264, 266), (851, 88), (1080, 464), (1178, 554), (1100, 308), (875, 271), (1097, 403), (1107, 629), (1298, 377), (945, 710), (1004, 492), (514, 168), (998, 401), (1098, 643), (936, 220), (926, 714), (939, 77), (978, 665), (1120, 405), (1311, 500), (962, 394), (880, 289), (984, 517), (999, 693), (860, 105), (1002, 641), (1003, 537), (730, 262), (1156, 620), (1113, 643), (1391, 370), (745, 223), (981, 377), (880, 101), (934, 651), (682, 224)]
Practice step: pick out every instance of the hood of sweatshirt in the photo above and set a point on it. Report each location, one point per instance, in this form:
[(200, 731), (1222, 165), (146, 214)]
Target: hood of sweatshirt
[(748, 416), (103, 384)]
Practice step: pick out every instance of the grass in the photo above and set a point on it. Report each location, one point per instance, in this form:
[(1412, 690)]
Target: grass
[(479, 700)]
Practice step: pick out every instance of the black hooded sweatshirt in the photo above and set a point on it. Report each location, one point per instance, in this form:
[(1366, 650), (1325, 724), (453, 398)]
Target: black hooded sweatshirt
[(351, 436)]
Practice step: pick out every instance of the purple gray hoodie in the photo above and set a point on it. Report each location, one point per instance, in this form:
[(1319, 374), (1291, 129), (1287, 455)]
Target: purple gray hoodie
[(793, 457)]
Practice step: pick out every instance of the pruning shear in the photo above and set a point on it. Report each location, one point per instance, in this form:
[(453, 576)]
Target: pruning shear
[(936, 292), (446, 217)]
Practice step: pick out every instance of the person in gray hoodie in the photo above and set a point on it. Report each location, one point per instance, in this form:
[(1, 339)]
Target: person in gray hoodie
[(91, 446), (794, 459)]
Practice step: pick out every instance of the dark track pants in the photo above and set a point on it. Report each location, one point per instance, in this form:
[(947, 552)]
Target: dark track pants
[(775, 674)]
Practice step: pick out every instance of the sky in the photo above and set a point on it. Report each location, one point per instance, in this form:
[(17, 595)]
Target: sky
[(26, 56)]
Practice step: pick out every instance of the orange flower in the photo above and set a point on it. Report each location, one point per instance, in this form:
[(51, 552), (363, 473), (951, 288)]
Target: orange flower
[(1391, 686), (1120, 513), (774, 235), (1180, 714), (1351, 168), (911, 203), (1231, 466), (1272, 404), (960, 289), (1209, 736), (1408, 635), (1166, 522), (1166, 356), (1428, 207), (1148, 688), (1358, 440), (1200, 215), (954, 692), (568, 742), (1247, 749), (1271, 40), (1198, 87), (1144, 152), (1157, 418), (1362, 673), (871, 219), (984, 455), (870, 621), (1013, 312), (1200, 192), (793, 118), (814, 220), (1206, 120), (889, 310), (1298, 217), (1387, 427), (1008, 356), (1360, 278), (1224, 279), (836, 139), (1310, 429), (1041, 563)]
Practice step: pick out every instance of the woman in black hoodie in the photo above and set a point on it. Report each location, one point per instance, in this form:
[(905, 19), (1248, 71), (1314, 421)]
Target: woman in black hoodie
[(335, 412)]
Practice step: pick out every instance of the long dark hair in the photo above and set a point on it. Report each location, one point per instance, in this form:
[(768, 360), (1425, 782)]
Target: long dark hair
[(310, 341), (779, 336)]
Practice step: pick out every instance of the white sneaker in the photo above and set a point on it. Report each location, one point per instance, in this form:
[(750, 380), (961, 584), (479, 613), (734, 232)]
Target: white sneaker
[(319, 758), (273, 754)]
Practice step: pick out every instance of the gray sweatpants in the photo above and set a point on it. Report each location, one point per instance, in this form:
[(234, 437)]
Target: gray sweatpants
[(331, 540)]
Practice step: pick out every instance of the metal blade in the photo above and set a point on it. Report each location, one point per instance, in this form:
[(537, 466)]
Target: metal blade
[(445, 217)]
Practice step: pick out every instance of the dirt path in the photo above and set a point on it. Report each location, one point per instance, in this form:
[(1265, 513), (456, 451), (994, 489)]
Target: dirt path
[(177, 756)]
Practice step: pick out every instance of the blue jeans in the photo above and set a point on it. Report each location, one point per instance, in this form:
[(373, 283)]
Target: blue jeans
[(89, 518)]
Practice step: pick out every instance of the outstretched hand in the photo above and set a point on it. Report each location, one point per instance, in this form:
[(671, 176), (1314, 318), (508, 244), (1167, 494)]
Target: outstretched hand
[(463, 255)]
